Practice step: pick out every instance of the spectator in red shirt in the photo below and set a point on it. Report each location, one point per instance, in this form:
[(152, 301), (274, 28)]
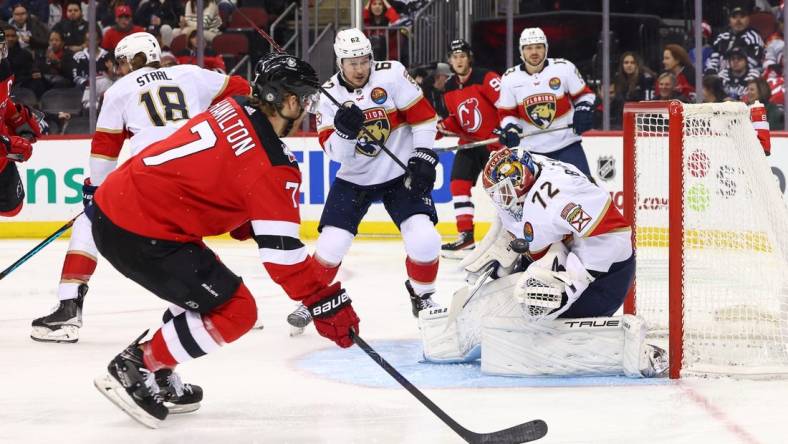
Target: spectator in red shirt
[(379, 13), (122, 27), (676, 61)]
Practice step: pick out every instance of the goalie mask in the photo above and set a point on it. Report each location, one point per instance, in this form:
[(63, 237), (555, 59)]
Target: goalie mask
[(507, 177)]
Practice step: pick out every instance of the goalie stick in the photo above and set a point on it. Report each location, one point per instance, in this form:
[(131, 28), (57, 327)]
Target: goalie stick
[(525, 432), (39, 247), (280, 50), (495, 139)]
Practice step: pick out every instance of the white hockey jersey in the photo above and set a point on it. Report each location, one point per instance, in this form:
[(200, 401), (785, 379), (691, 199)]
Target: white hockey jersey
[(563, 205), (543, 100), (395, 112), (149, 105)]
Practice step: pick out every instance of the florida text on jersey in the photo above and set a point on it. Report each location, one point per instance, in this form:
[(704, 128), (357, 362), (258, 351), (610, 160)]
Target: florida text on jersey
[(395, 112), (543, 100)]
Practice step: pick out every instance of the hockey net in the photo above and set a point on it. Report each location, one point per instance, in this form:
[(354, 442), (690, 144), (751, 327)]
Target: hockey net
[(697, 173)]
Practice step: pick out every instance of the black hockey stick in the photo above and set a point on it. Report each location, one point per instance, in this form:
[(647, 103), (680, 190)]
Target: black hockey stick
[(280, 50), (39, 247), (525, 432)]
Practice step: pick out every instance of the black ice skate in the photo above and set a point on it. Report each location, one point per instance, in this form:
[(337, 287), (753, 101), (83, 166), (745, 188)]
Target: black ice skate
[(459, 248), (62, 325), (420, 303), (132, 387), (178, 397), (298, 320)]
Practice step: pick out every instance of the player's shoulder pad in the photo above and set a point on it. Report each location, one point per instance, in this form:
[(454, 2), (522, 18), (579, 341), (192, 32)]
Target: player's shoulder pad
[(278, 153), (511, 71)]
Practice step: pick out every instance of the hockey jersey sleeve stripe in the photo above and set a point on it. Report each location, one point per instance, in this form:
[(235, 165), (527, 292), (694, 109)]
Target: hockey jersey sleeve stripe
[(109, 130), (278, 242), (419, 111), (275, 228), (610, 220), (283, 257), (579, 94)]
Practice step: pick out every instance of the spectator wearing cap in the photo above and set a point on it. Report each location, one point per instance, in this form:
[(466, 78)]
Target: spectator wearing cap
[(31, 32), (122, 27), (73, 27), (735, 76), (739, 34), (435, 85), (676, 61)]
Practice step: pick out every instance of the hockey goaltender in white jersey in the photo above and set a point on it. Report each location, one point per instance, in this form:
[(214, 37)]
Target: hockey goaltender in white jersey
[(555, 317)]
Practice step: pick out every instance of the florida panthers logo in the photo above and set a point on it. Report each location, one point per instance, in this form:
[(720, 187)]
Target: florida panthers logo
[(377, 122), (540, 110), (469, 115)]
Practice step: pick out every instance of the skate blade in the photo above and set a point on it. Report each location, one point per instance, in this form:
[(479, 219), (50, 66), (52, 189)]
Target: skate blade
[(182, 408), (258, 326), (296, 331), (112, 390), (456, 254), (66, 334)]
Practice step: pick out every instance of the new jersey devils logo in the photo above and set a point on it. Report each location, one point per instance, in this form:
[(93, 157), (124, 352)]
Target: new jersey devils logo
[(540, 109), (377, 122), (469, 115)]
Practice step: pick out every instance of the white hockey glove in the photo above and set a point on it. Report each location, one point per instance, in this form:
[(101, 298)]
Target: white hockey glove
[(552, 284), (493, 249)]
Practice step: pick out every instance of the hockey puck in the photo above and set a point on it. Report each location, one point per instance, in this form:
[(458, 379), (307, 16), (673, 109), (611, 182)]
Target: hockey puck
[(519, 245)]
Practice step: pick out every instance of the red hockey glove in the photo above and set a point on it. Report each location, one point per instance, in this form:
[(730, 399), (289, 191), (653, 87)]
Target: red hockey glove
[(24, 123), (333, 314), (15, 148)]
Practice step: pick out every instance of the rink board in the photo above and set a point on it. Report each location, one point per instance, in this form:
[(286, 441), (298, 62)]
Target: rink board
[(53, 183)]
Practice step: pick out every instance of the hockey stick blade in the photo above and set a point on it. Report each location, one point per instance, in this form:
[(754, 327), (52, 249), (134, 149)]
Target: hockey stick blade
[(525, 432)]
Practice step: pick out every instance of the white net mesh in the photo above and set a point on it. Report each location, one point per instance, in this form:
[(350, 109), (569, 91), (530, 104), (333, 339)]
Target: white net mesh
[(735, 250)]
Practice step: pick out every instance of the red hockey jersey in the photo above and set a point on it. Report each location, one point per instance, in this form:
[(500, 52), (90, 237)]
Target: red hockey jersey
[(223, 168), (471, 106)]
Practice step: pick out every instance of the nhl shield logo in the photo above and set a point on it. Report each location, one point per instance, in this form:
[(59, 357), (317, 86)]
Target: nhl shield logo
[(540, 109), (377, 123), (606, 167)]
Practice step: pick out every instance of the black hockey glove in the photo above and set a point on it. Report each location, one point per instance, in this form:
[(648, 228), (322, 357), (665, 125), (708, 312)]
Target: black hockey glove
[(348, 122), (420, 177), (88, 190), (509, 135), (584, 117)]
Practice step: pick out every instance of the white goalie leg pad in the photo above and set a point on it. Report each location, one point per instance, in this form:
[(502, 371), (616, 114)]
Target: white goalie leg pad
[(494, 247), (641, 359), (513, 346), (447, 339)]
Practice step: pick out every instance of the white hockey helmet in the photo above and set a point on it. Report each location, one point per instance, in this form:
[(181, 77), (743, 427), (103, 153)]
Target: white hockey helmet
[(351, 43), (139, 42), (533, 36)]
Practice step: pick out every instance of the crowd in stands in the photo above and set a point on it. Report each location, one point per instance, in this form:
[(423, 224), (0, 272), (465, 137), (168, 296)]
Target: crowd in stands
[(739, 63), (48, 39)]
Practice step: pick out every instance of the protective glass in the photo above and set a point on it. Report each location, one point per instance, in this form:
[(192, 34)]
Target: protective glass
[(309, 103)]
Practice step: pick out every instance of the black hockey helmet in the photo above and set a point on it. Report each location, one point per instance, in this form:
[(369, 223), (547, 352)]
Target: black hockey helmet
[(460, 45), (279, 74)]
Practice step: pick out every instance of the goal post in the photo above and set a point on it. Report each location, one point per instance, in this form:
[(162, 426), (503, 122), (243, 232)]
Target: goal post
[(718, 298)]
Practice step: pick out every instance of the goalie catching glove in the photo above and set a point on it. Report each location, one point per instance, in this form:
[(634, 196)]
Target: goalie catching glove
[(333, 314), (552, 284)]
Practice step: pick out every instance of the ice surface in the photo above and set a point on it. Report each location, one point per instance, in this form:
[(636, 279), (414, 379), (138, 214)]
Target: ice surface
[(270, 388)]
